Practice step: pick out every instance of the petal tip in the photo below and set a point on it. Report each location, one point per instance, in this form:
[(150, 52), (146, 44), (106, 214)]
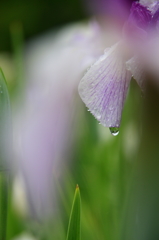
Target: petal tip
[(103, 88)]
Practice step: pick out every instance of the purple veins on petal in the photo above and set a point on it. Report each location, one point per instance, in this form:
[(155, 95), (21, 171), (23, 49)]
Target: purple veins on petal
[(155, 17), (140, 15), (103, 88)]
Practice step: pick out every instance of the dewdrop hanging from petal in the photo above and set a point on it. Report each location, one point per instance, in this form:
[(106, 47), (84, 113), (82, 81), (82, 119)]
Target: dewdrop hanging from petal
[(104, 87)]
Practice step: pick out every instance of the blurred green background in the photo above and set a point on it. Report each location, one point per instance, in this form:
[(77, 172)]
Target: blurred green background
[(101, 164), (36, 16)]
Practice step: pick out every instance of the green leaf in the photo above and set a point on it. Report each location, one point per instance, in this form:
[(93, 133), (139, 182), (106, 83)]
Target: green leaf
[(5, 124), (74, 227), (5, 152), (4, 178)]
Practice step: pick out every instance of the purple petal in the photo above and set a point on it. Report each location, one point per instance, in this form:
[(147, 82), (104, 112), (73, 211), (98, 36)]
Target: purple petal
[(103, 88), (140, 15), (116, 8), (155, 17), (136, 27)]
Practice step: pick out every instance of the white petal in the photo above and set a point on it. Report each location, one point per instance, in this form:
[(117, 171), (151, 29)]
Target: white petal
[(148, 3), (135, 67), (103, 88)]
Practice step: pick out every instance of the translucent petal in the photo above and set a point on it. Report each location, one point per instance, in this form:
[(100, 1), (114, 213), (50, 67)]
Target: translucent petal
[(147, 3), (136, 68), (103, 88)]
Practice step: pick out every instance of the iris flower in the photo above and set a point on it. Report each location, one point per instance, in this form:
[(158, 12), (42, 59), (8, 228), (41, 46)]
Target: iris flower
[(44, 124), (104, 87)]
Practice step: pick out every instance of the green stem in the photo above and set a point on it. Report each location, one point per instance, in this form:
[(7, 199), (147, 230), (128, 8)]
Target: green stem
[(3, 203)]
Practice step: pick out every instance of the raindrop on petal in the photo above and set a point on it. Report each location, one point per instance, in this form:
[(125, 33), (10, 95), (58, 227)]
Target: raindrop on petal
[(98, 117), (114, 131)]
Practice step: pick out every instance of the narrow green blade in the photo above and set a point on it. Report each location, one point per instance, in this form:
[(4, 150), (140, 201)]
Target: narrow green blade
[(5, 124), (4, 178), (74, 227), (5, 150)]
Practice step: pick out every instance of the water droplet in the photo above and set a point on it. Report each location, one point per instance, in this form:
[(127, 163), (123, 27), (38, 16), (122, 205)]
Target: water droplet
[(110, 108), (98, 117), (106, 50), (100, 59), (96, 113), (128, 67), (114, 131)]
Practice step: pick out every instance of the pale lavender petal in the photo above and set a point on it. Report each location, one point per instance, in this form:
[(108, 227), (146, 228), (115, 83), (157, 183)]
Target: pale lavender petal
[(103, 88), (44, 132), (148, 3), (137, 71)]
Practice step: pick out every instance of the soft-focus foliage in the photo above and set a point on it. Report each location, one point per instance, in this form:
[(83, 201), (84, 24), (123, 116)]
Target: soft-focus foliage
[(74, 227), (57, 142)]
